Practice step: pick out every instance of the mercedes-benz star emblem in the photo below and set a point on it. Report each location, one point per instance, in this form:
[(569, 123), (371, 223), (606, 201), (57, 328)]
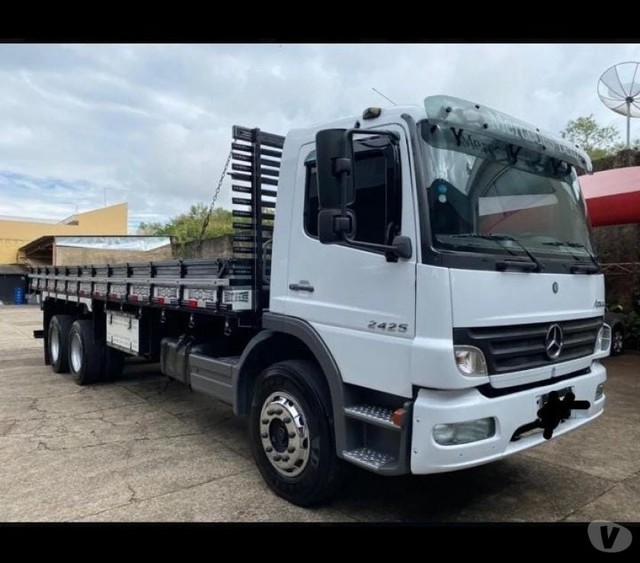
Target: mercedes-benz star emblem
[(553, 342)]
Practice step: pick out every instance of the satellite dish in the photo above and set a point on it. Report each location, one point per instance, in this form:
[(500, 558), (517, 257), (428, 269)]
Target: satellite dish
[(619, 90)]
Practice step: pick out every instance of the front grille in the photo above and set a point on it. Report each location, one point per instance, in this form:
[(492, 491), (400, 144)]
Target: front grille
[(492, 392), (520, 347)]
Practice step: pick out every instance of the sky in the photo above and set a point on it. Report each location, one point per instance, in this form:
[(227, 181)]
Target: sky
[(151, 124)]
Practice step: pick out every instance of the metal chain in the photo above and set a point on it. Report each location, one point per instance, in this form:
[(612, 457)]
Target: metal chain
[(205, 223)]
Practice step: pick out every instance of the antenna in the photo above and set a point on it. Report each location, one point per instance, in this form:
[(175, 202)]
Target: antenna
[(619, 90), (385, 97)]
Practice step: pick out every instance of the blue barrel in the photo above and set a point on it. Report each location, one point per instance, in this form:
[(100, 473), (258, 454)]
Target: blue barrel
[(18, 295)]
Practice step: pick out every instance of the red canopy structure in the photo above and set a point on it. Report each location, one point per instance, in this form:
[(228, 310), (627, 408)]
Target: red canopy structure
[(613, 196)]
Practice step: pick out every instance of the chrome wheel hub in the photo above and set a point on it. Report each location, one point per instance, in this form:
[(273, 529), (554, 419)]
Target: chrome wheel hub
[(54, 344), (76, 353), (617, 341), (284, 434)]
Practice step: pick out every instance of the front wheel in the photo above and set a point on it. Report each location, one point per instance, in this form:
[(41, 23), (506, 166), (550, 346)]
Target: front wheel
[(291, 433), (617, 341)]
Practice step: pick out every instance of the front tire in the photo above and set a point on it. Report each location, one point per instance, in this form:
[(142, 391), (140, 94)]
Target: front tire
[(85, 358), (58, 342), (291, 433), (617, 340)]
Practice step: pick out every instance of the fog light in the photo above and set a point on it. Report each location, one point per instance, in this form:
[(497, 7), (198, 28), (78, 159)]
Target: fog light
[(470, 360), (599, 391), (603, 342), (464, 432)]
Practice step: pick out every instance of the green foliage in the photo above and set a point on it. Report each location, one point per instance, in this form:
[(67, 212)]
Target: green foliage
[(632, 329), (187, 226), (596, 140), (633, 145)]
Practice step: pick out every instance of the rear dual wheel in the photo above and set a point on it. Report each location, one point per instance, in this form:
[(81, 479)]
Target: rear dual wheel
[(90, 360), (73, 347), (84, 354), (58, 342)]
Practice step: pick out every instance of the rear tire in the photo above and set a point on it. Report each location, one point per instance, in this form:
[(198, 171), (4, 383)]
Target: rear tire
[(292, 435), (617, 341), (58, 342), (85, 357)]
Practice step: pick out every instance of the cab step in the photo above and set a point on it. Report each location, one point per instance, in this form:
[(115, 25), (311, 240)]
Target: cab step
[(380, 416), (377, 432), (369, 458)]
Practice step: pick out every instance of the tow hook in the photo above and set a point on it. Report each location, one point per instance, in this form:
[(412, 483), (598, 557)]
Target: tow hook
[(556, 410)]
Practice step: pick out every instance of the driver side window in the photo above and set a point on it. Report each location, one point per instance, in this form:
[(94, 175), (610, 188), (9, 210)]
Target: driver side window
[(378, 194)]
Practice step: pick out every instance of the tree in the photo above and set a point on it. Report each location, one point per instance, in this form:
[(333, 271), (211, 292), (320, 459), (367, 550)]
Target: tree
[(596, 140), (633, 145), (187, 226)]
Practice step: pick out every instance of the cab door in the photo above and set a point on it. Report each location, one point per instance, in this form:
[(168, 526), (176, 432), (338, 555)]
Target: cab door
[(362, 305)]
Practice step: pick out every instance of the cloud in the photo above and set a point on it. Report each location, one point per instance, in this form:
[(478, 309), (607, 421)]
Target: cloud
[(151, 123)]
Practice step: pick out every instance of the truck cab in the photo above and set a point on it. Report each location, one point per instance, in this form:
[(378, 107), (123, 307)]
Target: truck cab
[(497, 305)]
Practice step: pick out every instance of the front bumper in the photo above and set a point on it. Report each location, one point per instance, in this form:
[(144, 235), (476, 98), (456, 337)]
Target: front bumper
[(510, 411)]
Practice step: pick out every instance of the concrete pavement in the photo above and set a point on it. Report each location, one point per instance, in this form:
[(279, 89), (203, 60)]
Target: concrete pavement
[(147, 449)]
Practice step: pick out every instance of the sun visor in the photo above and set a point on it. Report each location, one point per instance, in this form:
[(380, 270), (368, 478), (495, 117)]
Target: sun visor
[(468, 116)]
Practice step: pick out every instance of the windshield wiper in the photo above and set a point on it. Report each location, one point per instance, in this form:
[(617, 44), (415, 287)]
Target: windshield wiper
[(497, 237), (590, 269)]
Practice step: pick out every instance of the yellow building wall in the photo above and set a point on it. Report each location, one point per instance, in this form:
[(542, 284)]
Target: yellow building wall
[(110, 220)]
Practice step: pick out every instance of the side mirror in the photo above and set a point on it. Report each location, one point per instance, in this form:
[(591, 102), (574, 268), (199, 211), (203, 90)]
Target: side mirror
[(333, 226), (402, 247), (334, 162), (333, 165)]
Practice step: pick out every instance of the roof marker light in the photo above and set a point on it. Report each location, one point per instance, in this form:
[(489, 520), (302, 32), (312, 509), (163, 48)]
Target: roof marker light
[(371, 113)]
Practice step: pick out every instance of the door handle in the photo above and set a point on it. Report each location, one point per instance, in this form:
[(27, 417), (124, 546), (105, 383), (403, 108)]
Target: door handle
[(303, 285)]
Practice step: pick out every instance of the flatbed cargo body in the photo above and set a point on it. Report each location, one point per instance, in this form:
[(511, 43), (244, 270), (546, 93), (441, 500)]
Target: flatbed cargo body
[(219, 286)]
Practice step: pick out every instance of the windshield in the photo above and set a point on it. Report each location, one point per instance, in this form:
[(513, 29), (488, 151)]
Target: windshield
[(491, 196)]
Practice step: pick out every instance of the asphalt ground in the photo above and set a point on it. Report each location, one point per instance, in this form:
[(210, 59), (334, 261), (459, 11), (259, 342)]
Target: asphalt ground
[(147, 449)]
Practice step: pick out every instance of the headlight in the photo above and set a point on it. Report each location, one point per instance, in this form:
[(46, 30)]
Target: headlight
[(603, 342), (464, 432), (470, 360)]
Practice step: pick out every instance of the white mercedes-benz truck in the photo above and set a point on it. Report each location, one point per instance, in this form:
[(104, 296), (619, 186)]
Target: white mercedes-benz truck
[(412, 290)]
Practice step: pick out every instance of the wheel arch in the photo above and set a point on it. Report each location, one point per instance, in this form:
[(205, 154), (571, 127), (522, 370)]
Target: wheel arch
[(287, 338), (618, 325)]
